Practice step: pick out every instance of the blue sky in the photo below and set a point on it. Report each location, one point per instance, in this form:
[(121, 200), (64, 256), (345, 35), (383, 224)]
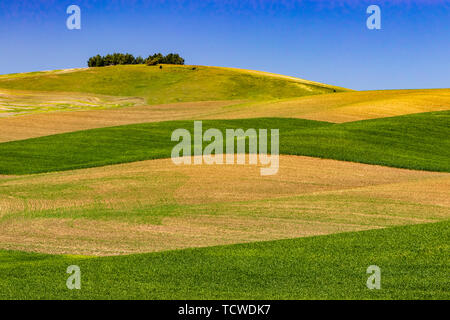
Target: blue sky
[(325, 41)]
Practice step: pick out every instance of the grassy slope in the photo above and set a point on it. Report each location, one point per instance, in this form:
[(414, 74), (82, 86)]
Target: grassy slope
[(414, 262), (419, 141), (19, 102), (170, 84)]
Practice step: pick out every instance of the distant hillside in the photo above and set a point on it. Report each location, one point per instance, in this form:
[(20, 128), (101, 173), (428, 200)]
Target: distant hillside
[(169, 84)]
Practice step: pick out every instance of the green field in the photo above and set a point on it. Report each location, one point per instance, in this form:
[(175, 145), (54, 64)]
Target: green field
[(414, 263), (418, 141), (170, 84)]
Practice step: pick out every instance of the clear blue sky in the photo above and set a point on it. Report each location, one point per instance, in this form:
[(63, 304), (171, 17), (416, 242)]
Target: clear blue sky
[(325, 41)]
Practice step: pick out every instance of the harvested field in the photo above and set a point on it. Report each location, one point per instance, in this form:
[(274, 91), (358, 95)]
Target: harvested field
[(154, 205), (43, 124), (89, 237)]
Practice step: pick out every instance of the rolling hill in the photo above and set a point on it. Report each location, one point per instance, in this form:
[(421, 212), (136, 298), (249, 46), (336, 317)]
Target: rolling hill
[(397, 141), (414, 262), (86, 178), (98, 102), (170, 84), (155, 205)]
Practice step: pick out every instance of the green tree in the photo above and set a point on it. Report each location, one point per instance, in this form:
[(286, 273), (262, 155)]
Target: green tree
[(153, 60), (123, 59)]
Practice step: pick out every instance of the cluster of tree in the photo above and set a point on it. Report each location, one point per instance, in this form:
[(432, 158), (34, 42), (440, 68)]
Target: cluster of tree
[(120, 58), (171, 58)]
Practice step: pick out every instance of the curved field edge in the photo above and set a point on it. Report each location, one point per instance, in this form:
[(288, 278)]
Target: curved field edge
[(42, 118), (418, 141), (170, 84), (414, 263), (29, 126), (155, 205), (344, 106)]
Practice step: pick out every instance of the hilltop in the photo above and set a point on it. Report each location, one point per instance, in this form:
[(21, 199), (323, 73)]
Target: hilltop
[(172, 83)]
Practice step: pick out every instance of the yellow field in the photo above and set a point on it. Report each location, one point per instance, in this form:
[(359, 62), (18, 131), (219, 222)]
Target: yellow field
[(280, 76), (337, 107), (124, 209), (346, 106)]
